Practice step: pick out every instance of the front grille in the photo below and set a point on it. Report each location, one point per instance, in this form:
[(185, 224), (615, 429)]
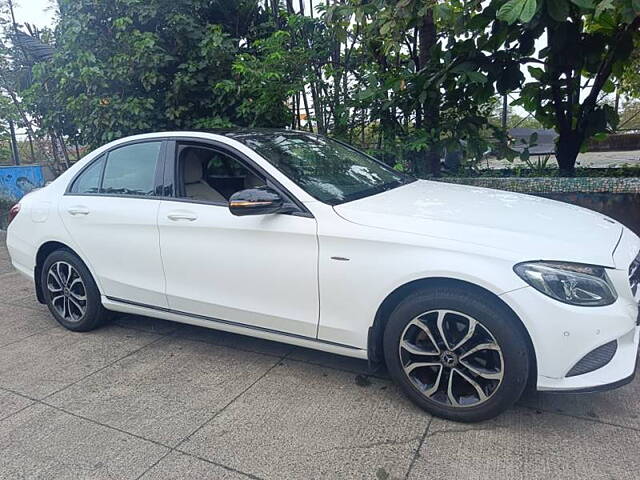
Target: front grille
[(594, 359), (634, 277)]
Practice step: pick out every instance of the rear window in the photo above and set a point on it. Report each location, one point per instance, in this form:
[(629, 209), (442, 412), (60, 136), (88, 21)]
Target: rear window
[(131, 169), (89, 180)]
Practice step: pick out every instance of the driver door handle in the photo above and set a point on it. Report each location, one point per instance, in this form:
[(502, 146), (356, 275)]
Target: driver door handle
[(177, 216)]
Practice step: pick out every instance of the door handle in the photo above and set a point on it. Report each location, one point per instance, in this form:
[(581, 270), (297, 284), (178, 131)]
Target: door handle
[(78, 210), (176, 216)]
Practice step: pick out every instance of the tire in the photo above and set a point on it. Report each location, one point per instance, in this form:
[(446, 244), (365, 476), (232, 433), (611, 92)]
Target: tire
[(493, 353), (71, 293)]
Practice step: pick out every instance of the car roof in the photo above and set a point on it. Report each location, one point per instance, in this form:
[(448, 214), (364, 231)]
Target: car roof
[(239, 132)]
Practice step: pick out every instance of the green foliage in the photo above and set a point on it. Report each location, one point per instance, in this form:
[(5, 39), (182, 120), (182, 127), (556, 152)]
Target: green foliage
[(128, 66), (589, 44), (408, 80), (514, 10)]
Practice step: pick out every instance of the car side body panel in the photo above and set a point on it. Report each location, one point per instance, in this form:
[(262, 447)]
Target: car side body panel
[(360, 266), (120, 237), (256, 270), (359, 258)]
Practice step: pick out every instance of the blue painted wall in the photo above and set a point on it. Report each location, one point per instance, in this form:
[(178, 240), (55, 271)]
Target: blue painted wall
[(16, 181)]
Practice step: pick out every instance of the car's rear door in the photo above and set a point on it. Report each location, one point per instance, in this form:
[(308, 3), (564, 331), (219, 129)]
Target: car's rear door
[(259, 271), (110, 210)]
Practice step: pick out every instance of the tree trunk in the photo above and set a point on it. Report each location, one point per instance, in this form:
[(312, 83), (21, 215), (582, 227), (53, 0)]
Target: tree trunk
[(306, 108), (14, 144), (431, 107), (567, 150), (31, 149)]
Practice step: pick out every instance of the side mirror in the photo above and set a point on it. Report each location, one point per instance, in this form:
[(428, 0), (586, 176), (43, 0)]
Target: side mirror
[(255, 201)]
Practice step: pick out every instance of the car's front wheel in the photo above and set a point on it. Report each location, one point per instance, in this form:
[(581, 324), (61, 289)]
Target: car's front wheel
[(71, 293), (457, 353)]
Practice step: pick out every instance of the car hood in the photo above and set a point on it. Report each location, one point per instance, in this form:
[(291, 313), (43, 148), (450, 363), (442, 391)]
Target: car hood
[(531, 228)]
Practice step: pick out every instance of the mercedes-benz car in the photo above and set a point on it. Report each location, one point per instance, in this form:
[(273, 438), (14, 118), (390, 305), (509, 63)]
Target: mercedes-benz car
[(467, 295)]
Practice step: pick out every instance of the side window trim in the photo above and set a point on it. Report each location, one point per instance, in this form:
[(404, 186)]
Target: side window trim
[(172, 166), (168, 185), (158, 175)]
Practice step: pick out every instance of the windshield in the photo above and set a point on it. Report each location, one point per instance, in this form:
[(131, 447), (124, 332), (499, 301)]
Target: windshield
[(327, 170)]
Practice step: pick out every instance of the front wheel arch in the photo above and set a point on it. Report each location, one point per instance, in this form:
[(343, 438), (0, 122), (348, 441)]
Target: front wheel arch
[(375, 349)]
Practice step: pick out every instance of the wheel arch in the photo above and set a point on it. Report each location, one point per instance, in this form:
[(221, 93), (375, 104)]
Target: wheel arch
[(376, 331), (43, 252)]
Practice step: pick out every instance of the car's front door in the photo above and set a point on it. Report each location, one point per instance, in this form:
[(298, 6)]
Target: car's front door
[(259, 271), (110, 210)]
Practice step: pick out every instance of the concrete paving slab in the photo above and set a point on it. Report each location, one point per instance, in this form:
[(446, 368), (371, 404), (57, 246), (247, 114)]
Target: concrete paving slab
[(618, 407), (145, 324), (17, 323), (522, 444), (44, 363), (5, 263), (177, 466), (304, 421), (30, 301), (165, 391), (45, 443), (586, 159), (15, 286), (11, 403), (226, 339), (330, 360)]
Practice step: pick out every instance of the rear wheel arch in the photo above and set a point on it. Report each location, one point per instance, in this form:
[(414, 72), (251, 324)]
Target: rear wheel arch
[(376, 331), (43, 252)]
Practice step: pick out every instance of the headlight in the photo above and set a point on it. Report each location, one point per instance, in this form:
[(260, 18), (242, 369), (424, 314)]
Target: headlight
[(571, 283)]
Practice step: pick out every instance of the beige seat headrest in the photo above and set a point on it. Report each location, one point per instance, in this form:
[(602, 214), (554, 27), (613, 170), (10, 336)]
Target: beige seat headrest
[(192, 166)]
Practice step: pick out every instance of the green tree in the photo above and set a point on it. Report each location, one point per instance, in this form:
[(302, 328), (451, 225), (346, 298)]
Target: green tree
[(629, 83), (129, 66), (417, 73), (588, 43)]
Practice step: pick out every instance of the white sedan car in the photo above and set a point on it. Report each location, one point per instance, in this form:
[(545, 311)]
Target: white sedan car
[(466, 294)]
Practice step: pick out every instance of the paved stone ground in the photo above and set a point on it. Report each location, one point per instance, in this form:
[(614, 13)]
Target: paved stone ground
[(587, 159), (143, 398)]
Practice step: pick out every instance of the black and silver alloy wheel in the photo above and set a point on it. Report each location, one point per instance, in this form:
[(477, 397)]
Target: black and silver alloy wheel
[(70, 292), (457, 352), (67, 291), (451, 358)]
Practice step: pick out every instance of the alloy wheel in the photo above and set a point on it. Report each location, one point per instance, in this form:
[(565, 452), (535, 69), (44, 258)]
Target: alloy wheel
[(451, 358), (67, 291)]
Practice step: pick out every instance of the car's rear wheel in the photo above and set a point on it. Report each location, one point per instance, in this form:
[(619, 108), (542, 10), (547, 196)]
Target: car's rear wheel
[(71, 293), (458, 354)]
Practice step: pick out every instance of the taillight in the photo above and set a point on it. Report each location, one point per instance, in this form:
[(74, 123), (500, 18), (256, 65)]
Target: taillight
[(13, 211)]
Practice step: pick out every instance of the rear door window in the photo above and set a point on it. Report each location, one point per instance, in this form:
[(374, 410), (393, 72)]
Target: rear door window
[(131, 170), (89, 180)]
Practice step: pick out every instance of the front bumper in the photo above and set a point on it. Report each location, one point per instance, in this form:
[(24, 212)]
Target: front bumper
[(563, 334)]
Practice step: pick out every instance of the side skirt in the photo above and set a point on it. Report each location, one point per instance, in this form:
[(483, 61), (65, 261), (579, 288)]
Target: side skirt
[(124, 306)]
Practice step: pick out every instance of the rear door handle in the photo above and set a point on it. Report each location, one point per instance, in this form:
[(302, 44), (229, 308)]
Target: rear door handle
[(78, 210), (177, 216)]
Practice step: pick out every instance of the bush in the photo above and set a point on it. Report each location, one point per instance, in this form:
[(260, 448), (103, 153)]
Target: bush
[(5, 205)]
